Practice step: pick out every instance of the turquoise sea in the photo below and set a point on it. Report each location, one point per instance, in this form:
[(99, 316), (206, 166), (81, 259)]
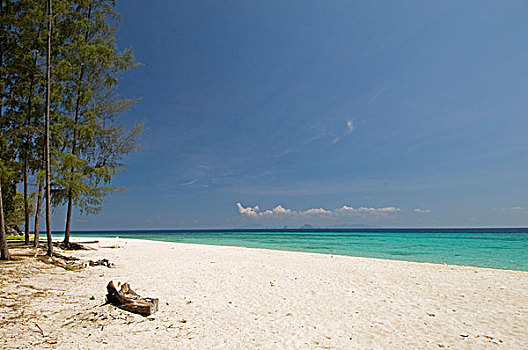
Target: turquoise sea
[(493, 248)]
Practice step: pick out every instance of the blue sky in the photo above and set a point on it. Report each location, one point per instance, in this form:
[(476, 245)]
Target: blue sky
[(389, 113)]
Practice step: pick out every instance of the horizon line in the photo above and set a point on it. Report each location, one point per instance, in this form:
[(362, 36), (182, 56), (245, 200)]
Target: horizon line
[(314, 229)]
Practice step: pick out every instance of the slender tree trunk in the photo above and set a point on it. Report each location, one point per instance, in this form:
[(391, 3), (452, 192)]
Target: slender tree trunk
[(47, 132), (4, 251), (26, 170), (38, 209), (26, 202), (74, 141), (74, 151), (68, 219), (26, 159)]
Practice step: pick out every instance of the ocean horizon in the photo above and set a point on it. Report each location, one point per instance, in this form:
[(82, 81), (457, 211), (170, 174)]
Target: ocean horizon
[(498, 248)]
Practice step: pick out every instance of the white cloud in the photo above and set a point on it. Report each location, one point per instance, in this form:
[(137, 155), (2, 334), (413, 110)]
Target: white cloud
[(279, 210), (422, 211), (249, 211), (350, 126), (316, 211), (368, 210)]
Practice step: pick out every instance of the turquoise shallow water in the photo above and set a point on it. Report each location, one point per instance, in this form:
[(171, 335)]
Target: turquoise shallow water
[(498, 248)]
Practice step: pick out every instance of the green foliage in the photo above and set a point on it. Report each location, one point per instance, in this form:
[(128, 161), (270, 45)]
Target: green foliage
[(88, 142), (13, 202), (14, 211), (92, 143), (15, 238)]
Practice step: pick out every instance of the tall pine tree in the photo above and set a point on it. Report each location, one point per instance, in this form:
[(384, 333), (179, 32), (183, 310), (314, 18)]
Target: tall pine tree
[(60, 61), (94, 143)]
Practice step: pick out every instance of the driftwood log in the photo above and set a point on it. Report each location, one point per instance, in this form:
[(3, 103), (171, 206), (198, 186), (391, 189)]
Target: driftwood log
[(129, 300)]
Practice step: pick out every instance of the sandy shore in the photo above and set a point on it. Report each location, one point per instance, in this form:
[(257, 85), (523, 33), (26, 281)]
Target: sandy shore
[(238, 298)]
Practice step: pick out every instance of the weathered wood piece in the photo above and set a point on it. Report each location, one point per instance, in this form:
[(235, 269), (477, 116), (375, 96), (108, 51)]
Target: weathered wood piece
[(129, 300), (101, 262)]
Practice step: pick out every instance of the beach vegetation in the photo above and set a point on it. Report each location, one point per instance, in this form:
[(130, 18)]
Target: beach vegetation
[(91, 142), (62, 140), (15, 238)]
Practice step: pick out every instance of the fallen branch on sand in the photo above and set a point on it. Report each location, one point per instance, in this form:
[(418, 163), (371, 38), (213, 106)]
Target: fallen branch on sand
[(101, 262), (129, 300)]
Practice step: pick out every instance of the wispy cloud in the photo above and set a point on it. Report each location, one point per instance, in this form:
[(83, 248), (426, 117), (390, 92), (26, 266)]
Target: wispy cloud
[(375, 97), (515, 208), (422, 211), (279, 210), (286, 152), (350, 127), (195, 184), (189, 183)]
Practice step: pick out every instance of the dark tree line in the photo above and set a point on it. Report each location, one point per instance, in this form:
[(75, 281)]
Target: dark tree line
[(60, 141)]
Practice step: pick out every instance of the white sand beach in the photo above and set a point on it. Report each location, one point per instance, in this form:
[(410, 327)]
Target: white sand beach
[(214, 297)]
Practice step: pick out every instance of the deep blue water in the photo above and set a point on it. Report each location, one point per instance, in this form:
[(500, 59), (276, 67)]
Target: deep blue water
[(493, 248)]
